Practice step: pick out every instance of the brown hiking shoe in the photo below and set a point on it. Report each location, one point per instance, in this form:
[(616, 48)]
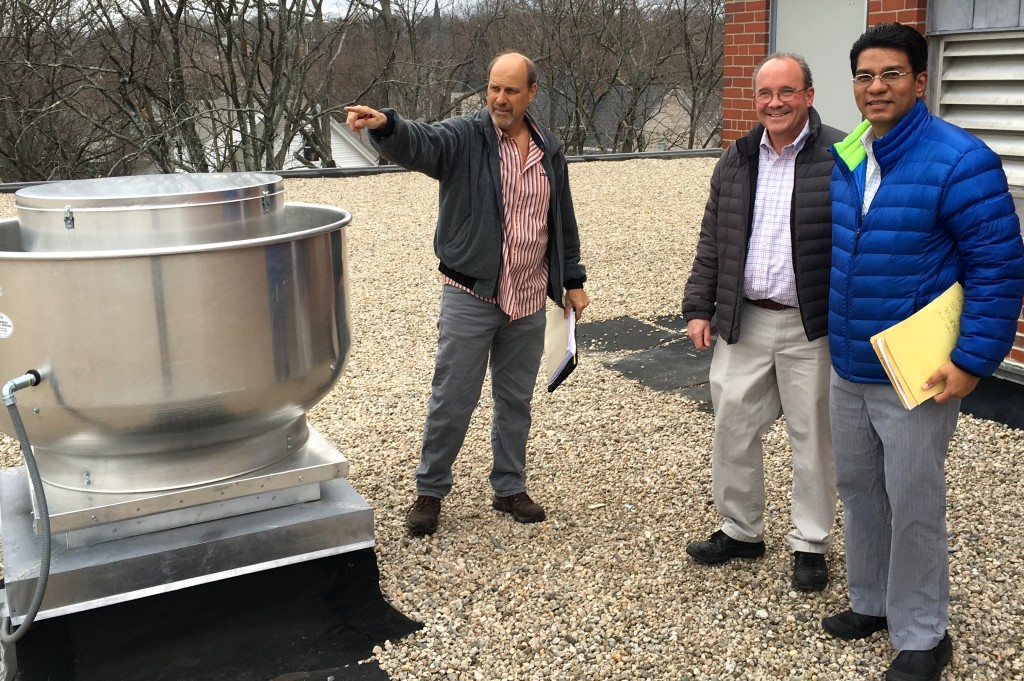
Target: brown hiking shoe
[(422, 517), (521, 506)]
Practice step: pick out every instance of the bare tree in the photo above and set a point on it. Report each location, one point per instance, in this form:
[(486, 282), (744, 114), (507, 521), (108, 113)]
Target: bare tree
[(41, 137), (646, 47), (702, 23), (424, 58), (92, 87), (200, 85), (272, 68), (609, 65), (690, 113)]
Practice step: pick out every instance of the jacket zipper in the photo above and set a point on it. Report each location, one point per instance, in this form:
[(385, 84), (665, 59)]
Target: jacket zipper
[(858, 208)]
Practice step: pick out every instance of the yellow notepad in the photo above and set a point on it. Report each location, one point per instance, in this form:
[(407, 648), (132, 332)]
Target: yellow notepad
[(913, 349)]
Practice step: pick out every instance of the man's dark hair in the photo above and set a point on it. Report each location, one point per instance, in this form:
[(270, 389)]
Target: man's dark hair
[(531, 68), (896, 37)]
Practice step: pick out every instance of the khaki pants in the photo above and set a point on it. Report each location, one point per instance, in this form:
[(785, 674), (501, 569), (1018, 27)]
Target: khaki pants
[(772, 370)]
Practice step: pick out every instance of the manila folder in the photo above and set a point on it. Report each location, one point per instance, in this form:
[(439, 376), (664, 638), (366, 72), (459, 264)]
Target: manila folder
[(913, 349)]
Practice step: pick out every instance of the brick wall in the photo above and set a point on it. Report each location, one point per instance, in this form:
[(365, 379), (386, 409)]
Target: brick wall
[(1017, 354), (746, 44), (910, 12)]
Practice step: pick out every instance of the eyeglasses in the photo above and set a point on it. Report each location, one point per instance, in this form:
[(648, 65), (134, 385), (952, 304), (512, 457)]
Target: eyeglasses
[(785, 95), (866, 79)]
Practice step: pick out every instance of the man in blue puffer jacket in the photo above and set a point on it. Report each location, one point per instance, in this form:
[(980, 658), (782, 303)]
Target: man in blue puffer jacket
[(917, 204)]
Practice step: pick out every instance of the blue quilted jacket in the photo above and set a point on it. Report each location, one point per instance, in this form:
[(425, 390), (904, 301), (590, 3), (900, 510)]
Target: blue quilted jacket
[(942, 214)]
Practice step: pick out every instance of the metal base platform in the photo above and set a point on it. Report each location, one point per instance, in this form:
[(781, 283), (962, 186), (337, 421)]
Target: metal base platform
[(89, 518), (135, 567)]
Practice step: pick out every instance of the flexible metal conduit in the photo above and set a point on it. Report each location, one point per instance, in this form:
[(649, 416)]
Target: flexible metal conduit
[(29, 379)]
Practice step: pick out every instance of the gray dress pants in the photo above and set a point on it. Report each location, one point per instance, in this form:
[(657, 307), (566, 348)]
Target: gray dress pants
[(469, 333), (891, 472)]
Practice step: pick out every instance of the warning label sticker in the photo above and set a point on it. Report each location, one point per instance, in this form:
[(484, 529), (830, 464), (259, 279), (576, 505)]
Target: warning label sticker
[(6, 326)]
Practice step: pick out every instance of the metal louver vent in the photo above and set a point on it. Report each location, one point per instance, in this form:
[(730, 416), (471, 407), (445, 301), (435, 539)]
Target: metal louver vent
[(981, 88)]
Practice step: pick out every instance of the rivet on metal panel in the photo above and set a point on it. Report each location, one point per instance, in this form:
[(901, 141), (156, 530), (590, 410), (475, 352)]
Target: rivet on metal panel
[(69, 218), (266, 201), (87, 479), (35, 410)]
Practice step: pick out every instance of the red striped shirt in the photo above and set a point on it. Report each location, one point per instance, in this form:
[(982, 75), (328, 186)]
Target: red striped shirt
[(525, 192)]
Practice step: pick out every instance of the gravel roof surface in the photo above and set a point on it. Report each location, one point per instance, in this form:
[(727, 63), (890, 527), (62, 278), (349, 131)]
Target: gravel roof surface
[(604, 589)]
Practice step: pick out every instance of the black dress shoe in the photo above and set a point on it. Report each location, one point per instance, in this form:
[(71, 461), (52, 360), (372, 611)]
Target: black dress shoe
[(921, 665), (720, 547), (810, 571), (849, 625)]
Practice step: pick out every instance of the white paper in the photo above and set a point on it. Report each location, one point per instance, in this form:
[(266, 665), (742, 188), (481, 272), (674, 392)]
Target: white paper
[(559, 342)]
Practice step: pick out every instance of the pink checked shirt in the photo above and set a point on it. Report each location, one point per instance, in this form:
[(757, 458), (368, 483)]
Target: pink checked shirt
[(525, 192), (768, 273)]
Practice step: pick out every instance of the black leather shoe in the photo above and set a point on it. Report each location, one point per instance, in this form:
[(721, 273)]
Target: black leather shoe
[(921, 665), (521, 506), (849, 625), (810, 571), (422, 517), (720, 547)]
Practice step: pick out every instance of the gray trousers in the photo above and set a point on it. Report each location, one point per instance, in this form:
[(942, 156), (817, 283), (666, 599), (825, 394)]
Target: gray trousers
[(772, 369), (469, 331), (891, 473)]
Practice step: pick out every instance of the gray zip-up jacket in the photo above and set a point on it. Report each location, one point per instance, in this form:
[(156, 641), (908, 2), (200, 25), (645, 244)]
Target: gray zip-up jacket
[(715, 286), (462, 154)]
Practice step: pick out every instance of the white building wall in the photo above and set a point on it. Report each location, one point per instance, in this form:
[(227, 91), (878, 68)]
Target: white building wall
[(823, 32)]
